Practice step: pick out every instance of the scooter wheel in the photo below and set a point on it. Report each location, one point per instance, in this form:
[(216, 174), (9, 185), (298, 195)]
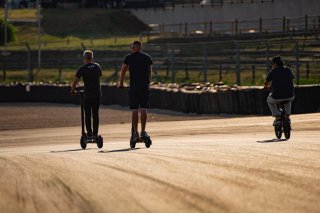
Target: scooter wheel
[(83, 142), (100, 142), (287, 129), (278, 132), (287, 134), (147, 142), (132, 143)]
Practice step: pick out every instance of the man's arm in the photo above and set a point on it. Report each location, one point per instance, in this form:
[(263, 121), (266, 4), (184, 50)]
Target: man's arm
[(74, 84), (122, 75)]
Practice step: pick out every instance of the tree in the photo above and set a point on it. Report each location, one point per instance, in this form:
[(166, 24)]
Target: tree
[(11, 32)]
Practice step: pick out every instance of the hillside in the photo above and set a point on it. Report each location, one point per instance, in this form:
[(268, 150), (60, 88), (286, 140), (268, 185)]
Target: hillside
[(76, 24)]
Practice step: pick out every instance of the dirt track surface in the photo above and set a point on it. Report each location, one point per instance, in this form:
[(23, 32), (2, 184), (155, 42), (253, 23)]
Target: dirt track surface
[(218, 165), (47, 115)]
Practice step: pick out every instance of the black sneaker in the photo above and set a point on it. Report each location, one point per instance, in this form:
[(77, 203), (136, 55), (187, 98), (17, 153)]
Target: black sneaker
[(288, 120), (144, 134), (277, 120), (135, 136)]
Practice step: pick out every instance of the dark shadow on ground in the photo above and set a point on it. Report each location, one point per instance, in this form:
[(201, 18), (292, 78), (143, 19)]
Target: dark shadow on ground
[(69, 150), (272, 141), (119, 150)]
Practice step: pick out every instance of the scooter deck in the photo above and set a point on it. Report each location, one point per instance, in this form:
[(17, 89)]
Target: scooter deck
[(93, 140), (140, 140)]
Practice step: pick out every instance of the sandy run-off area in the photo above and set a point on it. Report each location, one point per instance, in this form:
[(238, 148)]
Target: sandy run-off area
[(212, 165)]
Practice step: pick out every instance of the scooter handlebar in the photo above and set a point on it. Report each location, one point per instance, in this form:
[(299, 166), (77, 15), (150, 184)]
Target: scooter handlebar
[(76, 92)]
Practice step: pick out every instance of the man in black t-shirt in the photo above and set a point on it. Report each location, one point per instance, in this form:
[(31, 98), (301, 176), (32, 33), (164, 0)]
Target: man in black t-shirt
[(280, 79), (140, 68), (90, 72)]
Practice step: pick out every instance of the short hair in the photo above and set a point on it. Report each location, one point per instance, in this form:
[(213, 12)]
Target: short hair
[(88, 54), (278, 61), (137, 43)]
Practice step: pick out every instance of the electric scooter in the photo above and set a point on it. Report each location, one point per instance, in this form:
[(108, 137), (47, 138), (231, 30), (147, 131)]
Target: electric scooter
[(84, 140), (146, 140), (284, 126)]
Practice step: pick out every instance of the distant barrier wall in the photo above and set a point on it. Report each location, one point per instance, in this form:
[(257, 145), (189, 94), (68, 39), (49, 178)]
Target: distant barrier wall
[(241, 101), (246, 11)]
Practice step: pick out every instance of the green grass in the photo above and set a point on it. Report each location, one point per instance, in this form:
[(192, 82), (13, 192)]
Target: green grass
[(21, 14), (68, 29), (228, 76), (47, 75)]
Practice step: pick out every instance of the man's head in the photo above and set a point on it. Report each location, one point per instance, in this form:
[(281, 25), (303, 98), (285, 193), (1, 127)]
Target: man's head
[(136, 46), (277, 62), (87, 56)]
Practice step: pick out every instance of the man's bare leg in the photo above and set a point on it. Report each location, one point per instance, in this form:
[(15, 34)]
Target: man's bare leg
[(144, 117), (135, 119)]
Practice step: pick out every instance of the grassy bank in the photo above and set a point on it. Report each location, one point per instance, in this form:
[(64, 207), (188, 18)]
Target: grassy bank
[(69, 29)]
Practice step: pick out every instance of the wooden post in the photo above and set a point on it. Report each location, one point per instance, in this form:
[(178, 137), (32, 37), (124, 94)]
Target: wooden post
[(220, 73), (173, 73), (267, 56), (60, 70), (308, 70), (205, 64), (238, 65), (284, 24), (4, 77), (210, 28), (236, 26), (186, 69), (306, 19), (31, 73), (167, 70), (253, 74), (297, 63), (115, 70), (260, 25), (186, 29), (30, 70)]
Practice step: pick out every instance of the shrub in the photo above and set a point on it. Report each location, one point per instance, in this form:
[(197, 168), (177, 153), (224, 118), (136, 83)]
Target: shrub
[(11, 32)]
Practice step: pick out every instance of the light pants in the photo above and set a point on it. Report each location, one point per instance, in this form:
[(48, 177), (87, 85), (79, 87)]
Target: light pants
[(272, 103)]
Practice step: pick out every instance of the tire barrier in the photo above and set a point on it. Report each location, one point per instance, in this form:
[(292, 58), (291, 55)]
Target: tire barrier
[(227, 101)]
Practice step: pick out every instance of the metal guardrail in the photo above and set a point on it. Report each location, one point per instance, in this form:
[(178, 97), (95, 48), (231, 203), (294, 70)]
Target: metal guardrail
[(211, 3), (283, 25)]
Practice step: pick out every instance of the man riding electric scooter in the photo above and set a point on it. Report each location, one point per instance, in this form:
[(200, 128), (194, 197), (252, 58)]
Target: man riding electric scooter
[(140, 68), (90, 72), (280, 79)]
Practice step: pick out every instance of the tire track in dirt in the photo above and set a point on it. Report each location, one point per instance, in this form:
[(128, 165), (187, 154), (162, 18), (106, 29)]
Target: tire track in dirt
[(195, 197)]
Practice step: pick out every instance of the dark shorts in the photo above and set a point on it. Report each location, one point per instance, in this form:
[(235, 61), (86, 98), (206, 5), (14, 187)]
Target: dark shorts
[(139, 99)]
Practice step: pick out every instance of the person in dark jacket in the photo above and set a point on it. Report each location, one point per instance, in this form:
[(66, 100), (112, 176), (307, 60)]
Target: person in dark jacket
[(140, 68), (91, 73), (280, 79)]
